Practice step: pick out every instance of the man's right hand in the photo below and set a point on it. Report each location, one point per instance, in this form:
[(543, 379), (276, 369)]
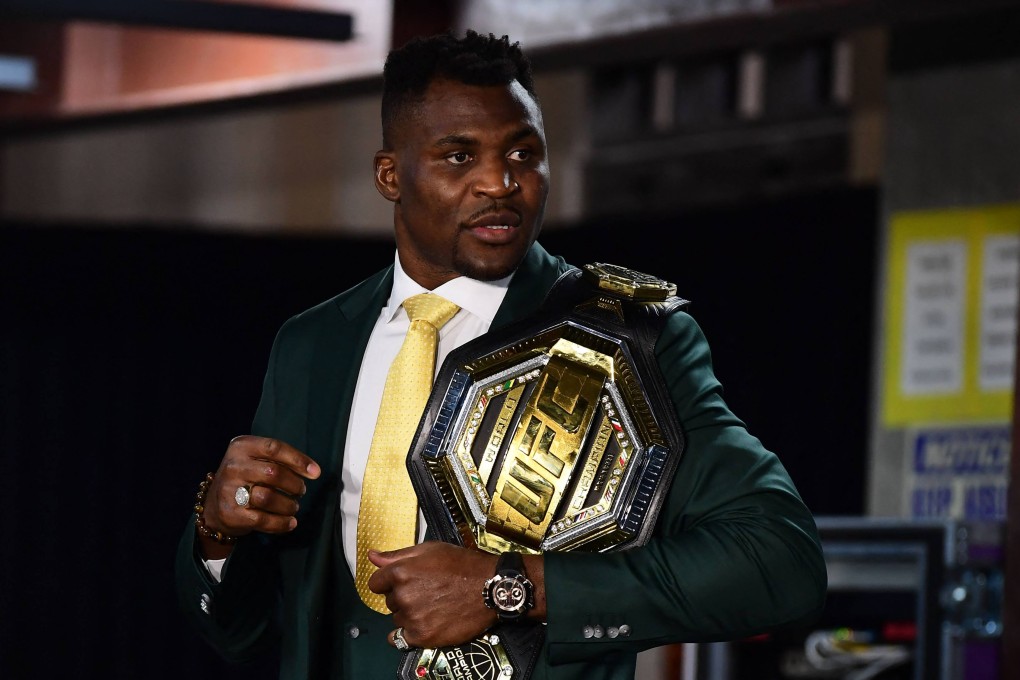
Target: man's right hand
[(275, 473)]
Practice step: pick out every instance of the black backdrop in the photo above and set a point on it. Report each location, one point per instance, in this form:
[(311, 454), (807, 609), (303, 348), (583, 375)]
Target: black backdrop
[(130, 356)]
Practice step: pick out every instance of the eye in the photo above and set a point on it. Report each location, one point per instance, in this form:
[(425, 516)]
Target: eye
[(458, 158), (520, 154)]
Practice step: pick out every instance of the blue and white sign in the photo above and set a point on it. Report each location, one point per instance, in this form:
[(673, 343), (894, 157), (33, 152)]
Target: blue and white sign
[(958, 473)]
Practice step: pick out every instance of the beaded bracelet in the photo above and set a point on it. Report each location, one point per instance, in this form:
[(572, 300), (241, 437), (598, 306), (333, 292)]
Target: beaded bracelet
[(217, 536)]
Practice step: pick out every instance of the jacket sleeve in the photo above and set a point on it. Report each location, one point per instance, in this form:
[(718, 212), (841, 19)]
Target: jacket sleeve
[(236, 615), (735, 551)]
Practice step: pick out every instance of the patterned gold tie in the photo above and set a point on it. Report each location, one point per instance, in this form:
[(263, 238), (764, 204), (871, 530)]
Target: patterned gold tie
[(389, 509)]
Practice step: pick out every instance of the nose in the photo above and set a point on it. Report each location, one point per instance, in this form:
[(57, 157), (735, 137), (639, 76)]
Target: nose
[(494, 179)]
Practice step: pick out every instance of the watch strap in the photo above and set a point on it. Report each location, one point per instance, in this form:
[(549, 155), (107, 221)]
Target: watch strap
[(511, 560)]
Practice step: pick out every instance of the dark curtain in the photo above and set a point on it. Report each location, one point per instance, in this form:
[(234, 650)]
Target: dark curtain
[(130, 356)]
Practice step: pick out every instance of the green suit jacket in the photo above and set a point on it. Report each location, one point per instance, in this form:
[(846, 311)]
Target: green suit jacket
[(734, 553)]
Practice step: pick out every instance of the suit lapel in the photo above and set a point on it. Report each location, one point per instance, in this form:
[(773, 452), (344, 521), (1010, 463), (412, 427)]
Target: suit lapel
[(337, 351), (341, 341), (528, 288), (337, 361)]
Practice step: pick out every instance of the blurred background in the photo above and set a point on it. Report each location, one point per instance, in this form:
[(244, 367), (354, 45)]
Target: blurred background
[(835, 184)]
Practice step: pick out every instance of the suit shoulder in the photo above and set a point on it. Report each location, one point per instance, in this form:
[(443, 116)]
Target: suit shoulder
[(343, 304)]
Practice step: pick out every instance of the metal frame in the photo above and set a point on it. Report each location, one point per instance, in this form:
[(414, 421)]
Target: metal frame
[(199, 15), (894, 547), (876, 555)]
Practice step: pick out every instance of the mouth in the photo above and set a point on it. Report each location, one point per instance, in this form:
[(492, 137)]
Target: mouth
[(497, 220), (496, 227)]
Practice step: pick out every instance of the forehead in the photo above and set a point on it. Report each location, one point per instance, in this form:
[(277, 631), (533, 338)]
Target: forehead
[(451, 107)]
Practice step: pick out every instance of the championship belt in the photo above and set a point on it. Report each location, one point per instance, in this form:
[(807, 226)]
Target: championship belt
[(554, 433)]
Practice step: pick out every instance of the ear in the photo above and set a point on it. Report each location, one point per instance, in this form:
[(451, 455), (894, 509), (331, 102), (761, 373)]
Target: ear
[(386, 175)]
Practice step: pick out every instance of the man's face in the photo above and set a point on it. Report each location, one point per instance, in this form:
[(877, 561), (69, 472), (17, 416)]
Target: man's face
[(468, 175)]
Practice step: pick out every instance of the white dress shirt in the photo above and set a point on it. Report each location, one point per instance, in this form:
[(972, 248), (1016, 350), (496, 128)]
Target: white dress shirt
[(478, 302)]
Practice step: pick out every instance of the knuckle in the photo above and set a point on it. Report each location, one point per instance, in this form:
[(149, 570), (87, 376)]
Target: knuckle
[(255, 520), (238, 445), (420, 630), (224, 503), (398, 573), (398, 603)]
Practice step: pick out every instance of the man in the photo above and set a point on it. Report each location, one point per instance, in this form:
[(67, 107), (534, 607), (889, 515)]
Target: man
[(272, 561)]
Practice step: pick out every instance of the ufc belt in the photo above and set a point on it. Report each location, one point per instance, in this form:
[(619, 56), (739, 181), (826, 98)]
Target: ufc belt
[(555, 433)]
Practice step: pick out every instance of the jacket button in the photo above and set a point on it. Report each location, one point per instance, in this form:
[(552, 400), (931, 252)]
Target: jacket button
[(353, 632), (625, 630), (612, 631), (599, 631), (587, 632)]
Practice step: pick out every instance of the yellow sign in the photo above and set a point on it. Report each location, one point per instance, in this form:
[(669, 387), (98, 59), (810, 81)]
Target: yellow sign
[(951, 315)]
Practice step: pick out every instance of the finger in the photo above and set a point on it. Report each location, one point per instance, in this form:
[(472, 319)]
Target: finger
[(266, 522), (269, 500), (391, 637), (381, 582), (266, 510), (275, 476), (385, 558), (280, 452)]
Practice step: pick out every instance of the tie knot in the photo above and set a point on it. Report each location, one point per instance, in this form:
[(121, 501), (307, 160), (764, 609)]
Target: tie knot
[(429, 307)]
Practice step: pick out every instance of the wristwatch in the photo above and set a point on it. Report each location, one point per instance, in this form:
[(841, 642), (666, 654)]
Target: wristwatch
[(509, 592)]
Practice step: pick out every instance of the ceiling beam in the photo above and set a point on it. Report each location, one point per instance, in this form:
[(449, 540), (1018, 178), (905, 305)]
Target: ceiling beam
[(198, 15), (788, 20)]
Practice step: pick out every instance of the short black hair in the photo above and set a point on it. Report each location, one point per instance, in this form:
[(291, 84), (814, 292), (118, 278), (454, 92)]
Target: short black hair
[(474, 59)]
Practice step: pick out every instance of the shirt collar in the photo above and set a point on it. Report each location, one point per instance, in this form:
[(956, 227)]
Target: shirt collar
[(480, 298)]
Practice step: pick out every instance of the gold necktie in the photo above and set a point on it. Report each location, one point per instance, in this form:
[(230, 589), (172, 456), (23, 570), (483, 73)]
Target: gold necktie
[(389, 508)]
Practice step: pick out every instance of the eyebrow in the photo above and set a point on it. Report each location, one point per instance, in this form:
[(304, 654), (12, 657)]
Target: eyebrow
[(456, 140), (465, 140), (525, 131)]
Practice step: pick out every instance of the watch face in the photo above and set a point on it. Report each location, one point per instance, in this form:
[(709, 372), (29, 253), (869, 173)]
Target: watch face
[(509, 594)]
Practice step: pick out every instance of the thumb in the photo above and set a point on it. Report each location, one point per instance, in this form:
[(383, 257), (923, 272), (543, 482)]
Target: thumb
[(384, 558)]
